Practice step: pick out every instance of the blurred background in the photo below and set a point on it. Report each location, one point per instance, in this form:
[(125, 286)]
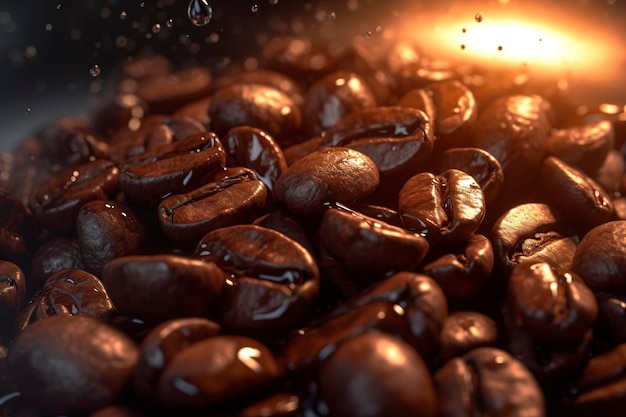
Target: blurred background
[(55, 56)]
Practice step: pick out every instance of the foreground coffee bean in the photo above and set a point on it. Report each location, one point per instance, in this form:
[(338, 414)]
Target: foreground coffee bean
[(101, 360), (393, 379), (464, 331), (12, 292)]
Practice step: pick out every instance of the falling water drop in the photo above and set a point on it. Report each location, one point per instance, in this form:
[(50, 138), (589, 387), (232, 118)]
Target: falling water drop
[(368, 35), (332, 16), (59, 6), (478, 17), (200, 12), (123, 15), (27, 111), (254, 8), (169, 23), (499, 47), (156, 28), (95, 70)]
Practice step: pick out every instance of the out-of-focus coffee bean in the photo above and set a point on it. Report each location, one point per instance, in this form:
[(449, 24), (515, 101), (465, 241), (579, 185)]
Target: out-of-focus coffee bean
[(107, 230), (53, 256), (388, 370), (116, 111), (329, 175), (488, 381), (263, 76), (448, 207), (332, 97), (235, 196), (288, 225), (12, 293), (118, 411), (464, 331), (16, 217), (162, 344), (299, 57), (411, 69), (256, 105), (419, 99), (216, 370), (13, 248), (575, 195), (88, 364), (197, 110), (600, 258), (282, 404), (611, 172), (611, 323)]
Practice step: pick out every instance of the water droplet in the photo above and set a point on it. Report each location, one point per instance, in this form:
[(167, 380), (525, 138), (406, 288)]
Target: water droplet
[(123, 15), (462, 46), (169, 23), (464, 30), (49, 27), (95, 70), (59, 6), (379, 28), (156, 28), (273, 2), (499, 47), (254, 8), (368, 35), (142, 4), (27, 111), (478, 17), (332, 16), (200, 12)]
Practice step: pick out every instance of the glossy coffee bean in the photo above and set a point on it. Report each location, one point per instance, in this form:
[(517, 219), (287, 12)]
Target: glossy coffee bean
[(235, 196), (172, 168), (600, 258), (611, 318), (388, 370), (53, 256), (448, 207), (162, 344), (464, 331), (488, 381), (289, 225), (332, 97), (263, 76), (16, 216), (330, 175), (106, 230), (12, 292), (461, 273), (420, 99), (533, 232), (162, 287), (87, 365), (57, 200), (256, 105), (479, 163), (575, 195), (554, 306), (368, 246), (282, 404), (255, 149), (14, 248), (216, 370), (273, 280)]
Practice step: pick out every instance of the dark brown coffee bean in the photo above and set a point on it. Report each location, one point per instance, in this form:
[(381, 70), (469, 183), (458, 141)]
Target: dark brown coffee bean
[(16, 216), (533, 232), (584, 147), (600, 258), (330, 175), (462, 273), (53, 256), (298, 56), (302, 149), (255, 149), (419, 99), (57, 200), (13, 248), (370, 247), (12, 293), (610, 174), (388, 370), (552, 305), (479, 163), (289, 225), (273, 279), (197, 110), (161, 345), (448, 207), (267, 77), (162, 287), (107, 230), (575, 195), (217, 370), (71, 365), (235, 196), (611, 323), (331, 98), (278, 405), (256, 105), (488, 381), (116, 111), (464, 331), (172, 169)]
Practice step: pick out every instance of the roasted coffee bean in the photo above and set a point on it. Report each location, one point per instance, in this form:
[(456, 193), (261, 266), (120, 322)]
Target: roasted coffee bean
[(278, 405), (611, 323), (171, 169), (488, 381), (161, 345), (381, 213), (162, 287), (331, 98), (273, 280), (388, 371), (302, 149), (575, 195), (57, 200), (601, 388), (107, 230), (216, 370), (71, 365), (479, 163), (12, 293), (330, 175), (166, 92), (116, 111), (464, 331), (235, 196), (370, 247), (397, 139), (255, 149), (600, 258), (13, 248), (267, 77), (533, 232), (584, 147), (298, 56), (16, 216), (197, 110), (462, 273), (448, 207), (610, 174), (142, 67), (288, 225), (514, 130), (419, 99), (552, 305), (256, 105), (410, 69), (53, 256)]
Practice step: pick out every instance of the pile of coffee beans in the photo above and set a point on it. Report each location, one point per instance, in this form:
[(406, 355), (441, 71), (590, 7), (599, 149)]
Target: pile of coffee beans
[(331, 232)]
